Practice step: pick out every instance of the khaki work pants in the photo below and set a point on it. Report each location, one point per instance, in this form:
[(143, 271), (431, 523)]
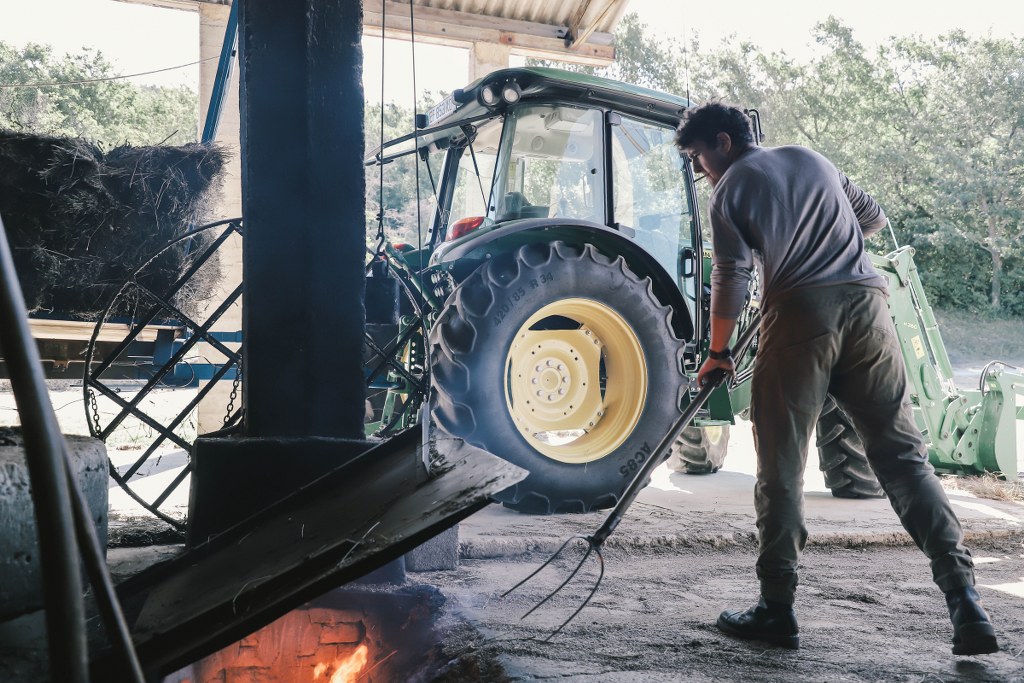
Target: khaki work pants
[(840, 339)]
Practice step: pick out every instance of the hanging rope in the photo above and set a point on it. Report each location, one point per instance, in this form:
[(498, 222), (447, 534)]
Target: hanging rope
[(416, 131), (381, 239)]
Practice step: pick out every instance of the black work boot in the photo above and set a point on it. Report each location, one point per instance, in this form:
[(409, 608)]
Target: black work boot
[(972, 631), (773, 623)]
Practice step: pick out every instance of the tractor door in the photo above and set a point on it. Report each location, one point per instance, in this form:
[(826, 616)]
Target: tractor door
[(651, 201)]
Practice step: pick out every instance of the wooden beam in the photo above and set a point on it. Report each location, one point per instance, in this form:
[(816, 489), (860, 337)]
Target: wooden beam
[(187, 5), (588, 16), (461, 29)]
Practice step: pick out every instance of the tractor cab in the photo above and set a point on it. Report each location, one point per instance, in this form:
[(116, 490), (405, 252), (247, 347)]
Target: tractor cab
[(532, 149)]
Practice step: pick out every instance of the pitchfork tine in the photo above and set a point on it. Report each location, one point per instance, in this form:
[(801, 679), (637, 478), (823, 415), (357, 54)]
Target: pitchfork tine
[(539, 569), (590, 548), (597, 584)]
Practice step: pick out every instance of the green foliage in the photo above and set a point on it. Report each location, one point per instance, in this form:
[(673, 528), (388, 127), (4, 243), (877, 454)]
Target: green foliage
[(933, 128), (398, 190), (109, 112)]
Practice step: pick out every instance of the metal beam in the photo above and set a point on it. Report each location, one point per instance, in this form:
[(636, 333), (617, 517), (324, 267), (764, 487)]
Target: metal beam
[(462, 29)]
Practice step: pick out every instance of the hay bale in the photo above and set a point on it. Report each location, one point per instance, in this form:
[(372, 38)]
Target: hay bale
[(81, 221)]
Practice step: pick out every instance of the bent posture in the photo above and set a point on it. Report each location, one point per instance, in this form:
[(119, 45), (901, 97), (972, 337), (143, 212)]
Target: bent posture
[(825, 329)]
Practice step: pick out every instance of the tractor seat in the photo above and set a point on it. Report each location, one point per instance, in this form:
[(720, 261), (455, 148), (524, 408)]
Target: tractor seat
[(516, 205)]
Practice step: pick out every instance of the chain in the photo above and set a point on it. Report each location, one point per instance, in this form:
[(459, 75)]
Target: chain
[(95, 413), (234, 389)]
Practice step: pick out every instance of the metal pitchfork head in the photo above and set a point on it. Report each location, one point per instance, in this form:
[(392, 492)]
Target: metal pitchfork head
[(593, 547), (595, 540)]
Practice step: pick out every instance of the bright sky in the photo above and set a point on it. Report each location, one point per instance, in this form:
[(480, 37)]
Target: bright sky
[(140, 38)]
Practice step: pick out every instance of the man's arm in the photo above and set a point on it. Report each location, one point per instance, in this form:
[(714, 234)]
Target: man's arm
[(730, 279), (869, 214)]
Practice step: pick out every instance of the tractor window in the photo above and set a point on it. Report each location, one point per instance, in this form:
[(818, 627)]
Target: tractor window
[(471, 190), (650, 191), (550, 165)]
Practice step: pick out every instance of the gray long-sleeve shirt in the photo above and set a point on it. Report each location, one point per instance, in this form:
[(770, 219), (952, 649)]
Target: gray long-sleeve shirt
[(805, 219)]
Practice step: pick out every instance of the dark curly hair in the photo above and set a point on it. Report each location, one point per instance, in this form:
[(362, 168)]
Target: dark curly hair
[(705, 122)]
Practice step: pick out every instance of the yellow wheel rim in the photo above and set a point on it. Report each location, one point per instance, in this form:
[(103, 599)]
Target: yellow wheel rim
[(575, 394), (714, 434)]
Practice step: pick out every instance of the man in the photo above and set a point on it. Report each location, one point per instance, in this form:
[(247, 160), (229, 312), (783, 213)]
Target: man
[(825, 329)]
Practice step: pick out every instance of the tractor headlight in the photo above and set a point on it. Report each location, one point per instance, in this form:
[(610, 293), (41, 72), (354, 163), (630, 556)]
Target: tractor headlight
[(489, 96), (511, 92)]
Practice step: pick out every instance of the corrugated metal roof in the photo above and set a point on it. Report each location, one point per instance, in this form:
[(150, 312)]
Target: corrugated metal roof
[(573, 30), (595, 15)]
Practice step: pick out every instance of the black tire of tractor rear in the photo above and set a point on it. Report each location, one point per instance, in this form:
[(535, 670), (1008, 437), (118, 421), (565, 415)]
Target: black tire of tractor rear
[(700, 450), (470, 342), (842, 458)]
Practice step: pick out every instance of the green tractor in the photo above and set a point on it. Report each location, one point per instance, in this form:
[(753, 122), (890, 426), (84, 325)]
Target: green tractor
[(555, 310)]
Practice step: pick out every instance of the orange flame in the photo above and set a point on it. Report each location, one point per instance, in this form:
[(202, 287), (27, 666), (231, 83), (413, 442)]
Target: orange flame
[(345, 670)]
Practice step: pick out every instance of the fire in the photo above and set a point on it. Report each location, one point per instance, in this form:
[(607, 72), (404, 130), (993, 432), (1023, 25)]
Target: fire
[(345, 670)]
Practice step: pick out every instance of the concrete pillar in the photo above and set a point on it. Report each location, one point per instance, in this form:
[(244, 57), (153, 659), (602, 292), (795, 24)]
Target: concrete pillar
[(21, 583), (212, 23), (485, 58), (300, 76)]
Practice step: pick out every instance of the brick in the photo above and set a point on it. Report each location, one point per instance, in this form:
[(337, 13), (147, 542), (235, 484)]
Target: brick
[(348, 633)]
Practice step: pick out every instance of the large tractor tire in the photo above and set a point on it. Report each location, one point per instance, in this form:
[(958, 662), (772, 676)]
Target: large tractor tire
[(562, 361), (700, 450), (842, 456)]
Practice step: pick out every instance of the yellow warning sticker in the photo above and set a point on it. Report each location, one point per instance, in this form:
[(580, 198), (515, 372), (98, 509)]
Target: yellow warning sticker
[(915, 341)]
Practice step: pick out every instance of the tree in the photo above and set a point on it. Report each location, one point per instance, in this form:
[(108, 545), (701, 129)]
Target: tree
[(972, 129), (931, 127), (398, 190), (109, 112)]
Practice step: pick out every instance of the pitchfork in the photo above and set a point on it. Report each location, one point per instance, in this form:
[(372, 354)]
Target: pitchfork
[(595, 540)]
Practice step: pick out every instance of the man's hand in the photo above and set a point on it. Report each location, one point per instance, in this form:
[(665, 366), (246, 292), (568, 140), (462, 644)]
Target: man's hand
[(725, 364)]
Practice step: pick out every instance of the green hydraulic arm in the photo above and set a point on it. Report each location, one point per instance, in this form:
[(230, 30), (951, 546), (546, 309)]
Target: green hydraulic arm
[(969, 431)]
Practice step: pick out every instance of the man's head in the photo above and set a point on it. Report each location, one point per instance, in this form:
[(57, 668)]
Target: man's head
[(713, 136)]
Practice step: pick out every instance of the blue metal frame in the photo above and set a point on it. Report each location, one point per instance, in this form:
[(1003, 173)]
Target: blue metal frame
[(220, 84)]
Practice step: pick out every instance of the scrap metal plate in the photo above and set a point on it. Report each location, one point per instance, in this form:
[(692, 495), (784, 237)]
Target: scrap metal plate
[(336, 529)]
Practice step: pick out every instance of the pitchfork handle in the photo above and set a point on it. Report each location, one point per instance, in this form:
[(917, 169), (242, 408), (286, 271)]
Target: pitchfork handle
[(714, 380)]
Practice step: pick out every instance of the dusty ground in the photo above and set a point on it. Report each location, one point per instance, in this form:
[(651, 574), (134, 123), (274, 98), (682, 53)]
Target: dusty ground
[(865, 615)]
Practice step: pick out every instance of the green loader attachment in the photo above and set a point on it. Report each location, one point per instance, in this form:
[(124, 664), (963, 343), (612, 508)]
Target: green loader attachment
[(972, 431)]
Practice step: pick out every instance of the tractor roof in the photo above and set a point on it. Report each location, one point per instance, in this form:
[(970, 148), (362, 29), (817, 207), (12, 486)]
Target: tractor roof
[(539, 84)]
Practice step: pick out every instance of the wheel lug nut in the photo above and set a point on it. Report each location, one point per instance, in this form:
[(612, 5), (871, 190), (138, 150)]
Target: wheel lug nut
[(551, 397)]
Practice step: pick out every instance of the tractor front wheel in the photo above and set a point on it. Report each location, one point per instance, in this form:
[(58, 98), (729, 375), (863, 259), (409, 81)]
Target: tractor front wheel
[(562, 361)]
